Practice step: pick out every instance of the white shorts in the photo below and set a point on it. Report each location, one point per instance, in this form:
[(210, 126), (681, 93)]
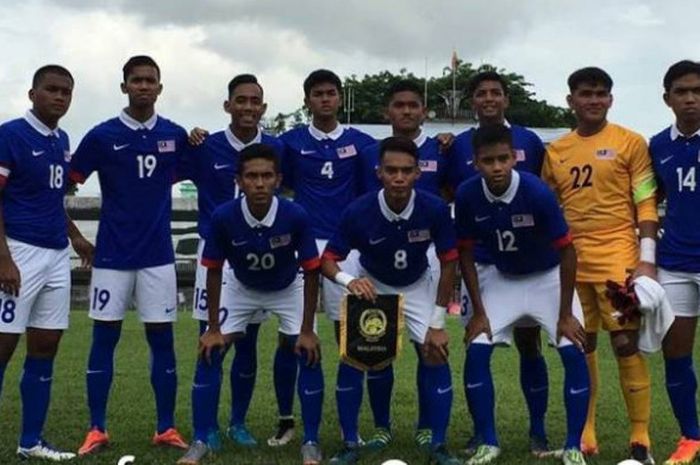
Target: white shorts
[(510, 300), (683, 291), (331, 292), (240, 304), (152, 289), (199, 299), (434, 266), (418, 303), (485, 273), (44, 294)]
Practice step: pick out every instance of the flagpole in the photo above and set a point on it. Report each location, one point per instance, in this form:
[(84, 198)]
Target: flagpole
[(454, 86), (425, 85)]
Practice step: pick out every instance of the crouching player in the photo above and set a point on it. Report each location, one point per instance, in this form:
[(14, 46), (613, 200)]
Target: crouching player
[(516, 217), (392, 230), (265, 239)]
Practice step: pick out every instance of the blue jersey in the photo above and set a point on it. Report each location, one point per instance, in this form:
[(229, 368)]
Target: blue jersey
[(323, 171), (34, 164), (521, 230), (265, 255), (393, 246), (676, 161), (213, 167), (432, 163), (136, 166)]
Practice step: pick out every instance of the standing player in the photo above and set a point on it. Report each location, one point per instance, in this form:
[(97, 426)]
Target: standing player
[(135, 157), (406, 113), (602, 175), (489, 96), (265, 239), (34, 257), (392, 229), (517, 219), (213, 169), (675, 153)]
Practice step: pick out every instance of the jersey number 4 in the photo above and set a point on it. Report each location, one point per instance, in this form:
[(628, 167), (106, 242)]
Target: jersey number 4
[(327, 170)]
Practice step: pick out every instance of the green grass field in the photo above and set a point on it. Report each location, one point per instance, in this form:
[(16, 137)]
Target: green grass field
[(132, 417)]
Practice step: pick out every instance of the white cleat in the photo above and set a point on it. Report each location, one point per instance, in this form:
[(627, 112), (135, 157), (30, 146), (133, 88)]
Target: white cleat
[(44, 451), (484, 454)]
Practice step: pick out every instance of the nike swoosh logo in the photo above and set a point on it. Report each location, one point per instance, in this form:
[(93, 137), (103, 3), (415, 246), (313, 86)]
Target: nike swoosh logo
[(170, 371), (306, 152), (573, 391), (169, 310), (45, 379), (200, 386), (474, 385), (538, 389), (664, 160), (119, 147), (672, 385), (446, 390), (220, 167), (376, 241), (344, 389), (479, 219), (36, 153), (238, 244), (470, 162), (246, 375), (311, 393), (94, 372)]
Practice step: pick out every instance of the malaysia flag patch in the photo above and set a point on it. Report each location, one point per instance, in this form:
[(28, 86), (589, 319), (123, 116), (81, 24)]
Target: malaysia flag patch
[(519, 155), (280, 241), (605, 154), (522, 221), (166, 146), (67, 155), (347, 151), (428, 165), (419, 235)]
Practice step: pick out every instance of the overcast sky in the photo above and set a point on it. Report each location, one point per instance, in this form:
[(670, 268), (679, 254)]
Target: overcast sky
[(201, 45)]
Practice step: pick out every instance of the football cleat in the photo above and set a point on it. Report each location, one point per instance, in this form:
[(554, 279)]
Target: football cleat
[(380, 439), (170, 438), (423, 438), (472, 444), (311, 453), (197, 451), (640, 453), (573, 457), (441, 456), (685, 452), (95, 441), (539, 448), (284, 434), (589, 449), (484, 454), (44, 451), (214, 440), (348, 455), (241, 436)]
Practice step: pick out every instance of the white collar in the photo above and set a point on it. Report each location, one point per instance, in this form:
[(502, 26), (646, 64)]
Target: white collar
[(676, 133), (420, 139), (39, 126), (320, 135), (389, 213), (253, 222), (508, 195), (238, 144), (134, 125), (505, 123)]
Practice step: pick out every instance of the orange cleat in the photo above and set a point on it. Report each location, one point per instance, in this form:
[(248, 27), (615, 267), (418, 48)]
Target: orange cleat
[(685, 452), (95, 441), (170, 438), (588, 449)]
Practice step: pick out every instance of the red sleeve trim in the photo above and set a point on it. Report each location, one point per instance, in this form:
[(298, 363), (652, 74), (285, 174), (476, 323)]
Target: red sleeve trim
[(465, 244), (215, 264), (76, 177), (448, 256), (563, 241), (330, 255), (311, 264)]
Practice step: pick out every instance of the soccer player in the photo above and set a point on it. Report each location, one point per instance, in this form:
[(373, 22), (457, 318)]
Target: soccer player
[(675, 155), (602, 175), (34, 256), (490, 99), (212, 167), (135, 156), (265, 239), (392, 229), (517, 219), (406, 113)]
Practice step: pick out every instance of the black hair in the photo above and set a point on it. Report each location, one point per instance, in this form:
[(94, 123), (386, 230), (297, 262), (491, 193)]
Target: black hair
[(139, 60), (491, 134), (678, 70), (242, 79), (398, 144), (321, 76), (255, 151), (478, 78), (403, 85), (50, 69), (590, 75)]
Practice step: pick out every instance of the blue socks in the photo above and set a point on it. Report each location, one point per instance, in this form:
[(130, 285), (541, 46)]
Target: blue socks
[(310, 388), (285, 376), (379, 386), (100, 370), (681, 385), (205, 396), (576, 393), (478, 388), (438, 390), (35, 390), (243, 372), (163, 374), (2, 375), (423, 421), (535, 386), (348, 396)]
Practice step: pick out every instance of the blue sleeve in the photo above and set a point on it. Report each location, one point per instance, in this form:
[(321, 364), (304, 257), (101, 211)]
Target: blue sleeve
[(7, 158), (443, 230), (340, 243), (653, 148), (550, 213), (538, 152), (287, 161), (306, 245), (459, 168), (213, 252), (188, 161), (464, 219), (86, 158)]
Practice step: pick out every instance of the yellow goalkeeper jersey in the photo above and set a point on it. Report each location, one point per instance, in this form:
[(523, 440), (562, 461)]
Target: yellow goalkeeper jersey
[(605, 185)]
